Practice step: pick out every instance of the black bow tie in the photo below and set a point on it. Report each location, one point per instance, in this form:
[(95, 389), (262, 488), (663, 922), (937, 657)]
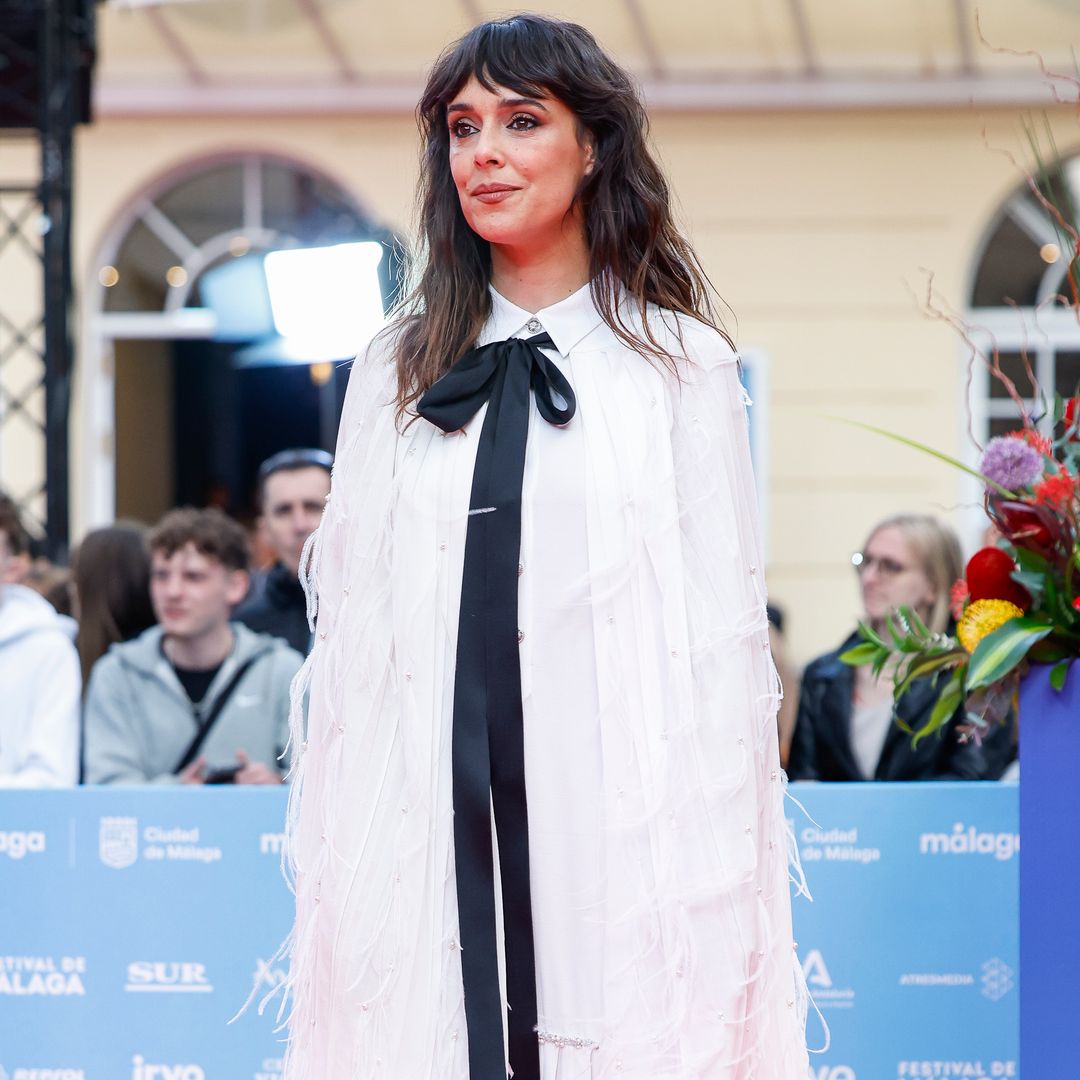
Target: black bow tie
[(488, 741), (456, 398)]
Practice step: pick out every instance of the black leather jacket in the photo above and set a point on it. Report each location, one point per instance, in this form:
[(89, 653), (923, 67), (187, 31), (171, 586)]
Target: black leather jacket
[(821, 747)]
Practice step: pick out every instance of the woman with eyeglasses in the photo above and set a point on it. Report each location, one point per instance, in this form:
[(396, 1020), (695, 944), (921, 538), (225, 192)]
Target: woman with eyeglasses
[(846, 728), (540, 822)]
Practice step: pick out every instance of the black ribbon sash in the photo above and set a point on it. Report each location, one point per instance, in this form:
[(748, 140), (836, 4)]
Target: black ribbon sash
[(488, 739)]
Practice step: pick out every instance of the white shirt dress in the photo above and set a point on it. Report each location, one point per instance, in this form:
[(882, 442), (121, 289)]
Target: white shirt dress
[(658, 844)]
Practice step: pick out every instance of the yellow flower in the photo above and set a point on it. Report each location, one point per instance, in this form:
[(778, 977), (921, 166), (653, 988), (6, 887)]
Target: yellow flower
[(983, 617)]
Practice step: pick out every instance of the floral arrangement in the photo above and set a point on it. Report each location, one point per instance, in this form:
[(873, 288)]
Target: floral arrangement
[(1017, 602)]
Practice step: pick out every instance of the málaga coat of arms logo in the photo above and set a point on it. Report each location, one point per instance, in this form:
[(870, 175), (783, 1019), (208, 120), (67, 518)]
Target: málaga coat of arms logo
[(118, 841)]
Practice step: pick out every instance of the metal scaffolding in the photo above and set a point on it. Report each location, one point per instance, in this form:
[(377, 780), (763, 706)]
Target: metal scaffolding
[(46, 59)]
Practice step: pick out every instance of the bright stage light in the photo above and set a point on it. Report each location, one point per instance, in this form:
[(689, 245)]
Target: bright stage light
[(327, 302)]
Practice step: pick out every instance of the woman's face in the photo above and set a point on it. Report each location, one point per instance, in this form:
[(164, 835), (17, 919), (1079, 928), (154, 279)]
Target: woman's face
[(891, 576), (517, 164)]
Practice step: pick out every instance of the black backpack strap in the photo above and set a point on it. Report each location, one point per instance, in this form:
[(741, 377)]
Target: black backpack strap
[(208, 721)]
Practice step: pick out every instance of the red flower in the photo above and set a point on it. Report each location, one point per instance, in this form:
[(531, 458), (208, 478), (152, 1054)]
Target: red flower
[(959, 595), (1033, 438), (1057, 492), (989, 577), (1072, 413), (1076, 602), (1030, 526)]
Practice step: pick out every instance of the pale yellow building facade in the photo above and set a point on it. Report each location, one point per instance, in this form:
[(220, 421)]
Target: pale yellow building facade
[(820, 225)]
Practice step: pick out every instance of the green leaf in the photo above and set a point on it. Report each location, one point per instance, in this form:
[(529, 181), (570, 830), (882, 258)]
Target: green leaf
[(902, 626), (1031, 561), (947, 703), (1057, 607), (868, 634), (860, 654), (1058, 673), (919, 668), (921, 628), (931, 451), (902, 638), (1033, 581), (895, 632), (998, 653), (1050, 650)]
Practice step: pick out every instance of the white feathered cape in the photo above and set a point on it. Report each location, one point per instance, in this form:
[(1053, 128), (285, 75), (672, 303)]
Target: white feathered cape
[(657, 835)]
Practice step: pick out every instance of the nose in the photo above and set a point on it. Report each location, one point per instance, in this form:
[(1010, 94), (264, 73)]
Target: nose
[(302, 523), (487, 150)]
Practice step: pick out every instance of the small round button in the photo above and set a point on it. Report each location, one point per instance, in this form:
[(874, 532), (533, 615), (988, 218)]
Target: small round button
[(521, 636), (533, 325)]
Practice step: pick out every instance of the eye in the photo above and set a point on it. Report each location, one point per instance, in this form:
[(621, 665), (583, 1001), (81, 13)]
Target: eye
[(522, 122), (461, 129)]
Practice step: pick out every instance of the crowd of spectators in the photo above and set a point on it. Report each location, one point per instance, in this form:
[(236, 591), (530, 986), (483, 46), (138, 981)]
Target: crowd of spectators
[(161, 657), (198, 698)]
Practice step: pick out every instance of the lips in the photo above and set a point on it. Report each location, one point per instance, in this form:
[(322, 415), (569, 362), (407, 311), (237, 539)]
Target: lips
[(492, 193)]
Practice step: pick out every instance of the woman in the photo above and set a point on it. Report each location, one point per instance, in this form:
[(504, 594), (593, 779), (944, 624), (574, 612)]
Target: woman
[(845, 729), (543, 607), (110, 593), (111, 578)]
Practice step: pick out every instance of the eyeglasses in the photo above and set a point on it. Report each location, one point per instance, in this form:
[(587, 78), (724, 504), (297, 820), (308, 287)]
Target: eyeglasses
[(886, 567)]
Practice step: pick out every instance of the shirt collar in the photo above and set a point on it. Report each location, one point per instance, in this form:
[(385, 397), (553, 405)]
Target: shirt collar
[(568, 322)]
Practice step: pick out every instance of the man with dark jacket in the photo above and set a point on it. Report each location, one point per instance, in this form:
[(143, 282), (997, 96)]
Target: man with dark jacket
[(292, 490)]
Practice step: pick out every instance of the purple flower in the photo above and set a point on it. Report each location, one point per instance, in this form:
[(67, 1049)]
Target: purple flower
[(1011, 462)]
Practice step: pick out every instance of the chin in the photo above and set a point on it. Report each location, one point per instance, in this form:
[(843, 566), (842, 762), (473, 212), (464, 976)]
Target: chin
[(497, 232)]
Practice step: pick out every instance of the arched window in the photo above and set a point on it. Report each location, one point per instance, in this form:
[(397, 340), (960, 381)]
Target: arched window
[(1019, 307), (186, 385), (220, 209)]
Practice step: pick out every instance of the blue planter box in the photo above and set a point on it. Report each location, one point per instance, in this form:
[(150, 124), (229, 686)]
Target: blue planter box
[(1050, 875)]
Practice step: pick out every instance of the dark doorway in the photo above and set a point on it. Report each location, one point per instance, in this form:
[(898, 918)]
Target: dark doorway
[(228, 419)]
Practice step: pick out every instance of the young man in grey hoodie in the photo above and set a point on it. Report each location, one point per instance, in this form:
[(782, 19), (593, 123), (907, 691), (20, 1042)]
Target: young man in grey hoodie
[(39, 678), (196, 699)]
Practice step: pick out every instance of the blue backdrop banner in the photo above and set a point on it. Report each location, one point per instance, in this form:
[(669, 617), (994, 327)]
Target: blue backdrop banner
[(136, 921)]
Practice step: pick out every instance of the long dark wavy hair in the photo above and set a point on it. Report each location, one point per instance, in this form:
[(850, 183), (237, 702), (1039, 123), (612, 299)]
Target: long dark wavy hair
[(632, 240)]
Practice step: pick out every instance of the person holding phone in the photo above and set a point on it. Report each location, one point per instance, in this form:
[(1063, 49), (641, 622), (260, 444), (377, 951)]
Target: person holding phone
[(197, 699)]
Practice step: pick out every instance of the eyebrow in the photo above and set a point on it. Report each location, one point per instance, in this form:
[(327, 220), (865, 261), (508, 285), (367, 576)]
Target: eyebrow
[(504, 103)]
